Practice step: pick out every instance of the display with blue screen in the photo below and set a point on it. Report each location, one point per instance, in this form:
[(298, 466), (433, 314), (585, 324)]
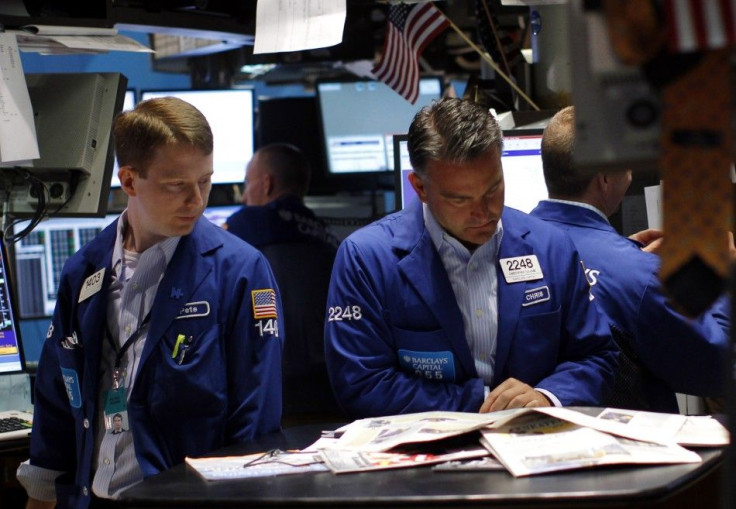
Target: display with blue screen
[(230, 115), (522, 170), (360, 118), (11, 351)]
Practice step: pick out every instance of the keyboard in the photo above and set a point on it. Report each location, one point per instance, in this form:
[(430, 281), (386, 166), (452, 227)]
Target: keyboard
[(15, 424)]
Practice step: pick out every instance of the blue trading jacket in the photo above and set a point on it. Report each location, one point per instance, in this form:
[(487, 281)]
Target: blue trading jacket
[(395, 339), (227, 390), (681, 354)]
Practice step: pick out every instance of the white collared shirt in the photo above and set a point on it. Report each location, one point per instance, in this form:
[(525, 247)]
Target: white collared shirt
[(475, 283)]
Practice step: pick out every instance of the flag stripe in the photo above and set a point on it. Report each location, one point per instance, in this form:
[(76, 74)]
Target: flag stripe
[(700, 24), (409, 30)]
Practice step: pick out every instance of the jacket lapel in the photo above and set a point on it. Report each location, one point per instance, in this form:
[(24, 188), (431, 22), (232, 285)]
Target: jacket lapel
[(510, 296), (424, 271), (185, 272)]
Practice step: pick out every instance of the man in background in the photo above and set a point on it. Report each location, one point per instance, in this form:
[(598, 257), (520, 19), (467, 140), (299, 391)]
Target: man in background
[(671, 353), (301, 249)]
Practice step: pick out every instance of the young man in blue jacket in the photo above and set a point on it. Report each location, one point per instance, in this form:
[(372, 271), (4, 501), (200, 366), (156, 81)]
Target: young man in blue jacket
[(457, 303), (163, 319), (675, 353)]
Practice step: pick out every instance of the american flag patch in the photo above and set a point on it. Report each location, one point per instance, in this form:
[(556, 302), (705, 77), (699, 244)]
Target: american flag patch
[(264, 303)]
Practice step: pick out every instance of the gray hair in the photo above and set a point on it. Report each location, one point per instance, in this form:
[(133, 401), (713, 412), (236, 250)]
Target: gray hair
[(452, 130)]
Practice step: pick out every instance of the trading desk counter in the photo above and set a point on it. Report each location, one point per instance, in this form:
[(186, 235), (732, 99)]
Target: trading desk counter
[(671, 486)]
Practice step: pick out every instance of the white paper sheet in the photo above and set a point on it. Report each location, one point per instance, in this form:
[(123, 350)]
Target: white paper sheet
[(293, 25), (17, 131)]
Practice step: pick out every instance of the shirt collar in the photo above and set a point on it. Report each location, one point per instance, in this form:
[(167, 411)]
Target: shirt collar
[(439, 236), (580, 204), (166, 246)]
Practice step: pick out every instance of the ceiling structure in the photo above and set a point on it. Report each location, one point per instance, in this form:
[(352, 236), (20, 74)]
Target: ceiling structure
[(219, 36)]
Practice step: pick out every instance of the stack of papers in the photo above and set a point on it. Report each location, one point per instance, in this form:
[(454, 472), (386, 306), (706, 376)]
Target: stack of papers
[(525, 442), (63, 40)]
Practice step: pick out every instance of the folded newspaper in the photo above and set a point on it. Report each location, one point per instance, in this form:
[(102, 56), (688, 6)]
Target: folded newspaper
[(536, 443)]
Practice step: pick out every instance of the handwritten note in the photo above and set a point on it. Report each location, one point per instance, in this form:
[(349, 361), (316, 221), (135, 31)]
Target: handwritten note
[(17, 130)]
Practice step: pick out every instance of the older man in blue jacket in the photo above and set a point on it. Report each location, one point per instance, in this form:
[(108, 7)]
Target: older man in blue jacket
[(673, 353), (457, 303)]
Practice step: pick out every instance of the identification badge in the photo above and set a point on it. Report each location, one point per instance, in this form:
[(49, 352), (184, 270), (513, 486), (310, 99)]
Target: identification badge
[(116, 411), (429, 365), (71, 382), (521, 268), (194, 310), (535, 296), (92, 285)]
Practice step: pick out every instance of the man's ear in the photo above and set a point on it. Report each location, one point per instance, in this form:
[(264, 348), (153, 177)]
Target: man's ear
[(126, 175), (418, 184), (269, 182)]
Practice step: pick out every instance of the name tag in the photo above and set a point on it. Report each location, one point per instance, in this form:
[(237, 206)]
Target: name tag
[(535, 296), (92, 285), (521, 268), (71, 382), (194, 309), (430, 365)]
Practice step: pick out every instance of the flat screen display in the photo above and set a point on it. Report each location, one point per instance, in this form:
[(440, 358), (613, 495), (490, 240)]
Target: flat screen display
[(230, 115), (11, 351), (359, 119)]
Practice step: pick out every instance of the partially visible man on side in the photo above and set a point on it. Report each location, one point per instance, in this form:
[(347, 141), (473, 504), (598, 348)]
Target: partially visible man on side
[(301, 249), (676, 353), (163, 318), (456, 302)]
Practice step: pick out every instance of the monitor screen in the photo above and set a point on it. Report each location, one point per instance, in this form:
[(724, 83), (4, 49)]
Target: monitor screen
[(230, 115), (218, 214), (11, 351), (40, 256), (359, 119), (522, 170), (128, 104)]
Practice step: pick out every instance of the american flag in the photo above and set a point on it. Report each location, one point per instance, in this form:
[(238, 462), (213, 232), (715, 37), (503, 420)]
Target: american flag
[(700, 24), (264, 303), (409, 29)]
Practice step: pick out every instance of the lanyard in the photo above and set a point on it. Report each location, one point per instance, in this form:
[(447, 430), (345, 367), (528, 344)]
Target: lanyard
[(118, 373)]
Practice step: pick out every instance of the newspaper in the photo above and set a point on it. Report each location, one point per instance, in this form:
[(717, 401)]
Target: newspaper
[(702, 431), (540, 452), (341, 462), (265, 464), (381, 434)]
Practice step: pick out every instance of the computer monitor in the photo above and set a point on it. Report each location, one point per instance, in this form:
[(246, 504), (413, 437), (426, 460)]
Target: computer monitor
[(73, 114), (128, 104), (11, 349), (230, 115), (218, 214), (359, 118), (522, 170), (40, 256)]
